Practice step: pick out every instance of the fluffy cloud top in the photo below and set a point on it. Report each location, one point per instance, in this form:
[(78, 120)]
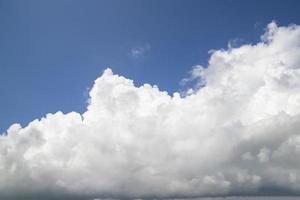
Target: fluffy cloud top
[(238, 134)]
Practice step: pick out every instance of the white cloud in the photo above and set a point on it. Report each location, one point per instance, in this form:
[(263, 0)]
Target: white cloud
[(239, 134), (140, 51), (195, 79)]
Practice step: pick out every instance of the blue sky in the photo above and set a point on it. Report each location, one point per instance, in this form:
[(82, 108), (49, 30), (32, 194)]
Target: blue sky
[(52, 51)]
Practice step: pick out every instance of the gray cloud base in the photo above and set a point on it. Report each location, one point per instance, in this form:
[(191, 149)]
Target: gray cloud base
[(237, 134)]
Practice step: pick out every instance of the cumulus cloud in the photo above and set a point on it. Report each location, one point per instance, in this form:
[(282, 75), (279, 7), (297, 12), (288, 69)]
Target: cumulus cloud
[(195, 79), (238, 134)]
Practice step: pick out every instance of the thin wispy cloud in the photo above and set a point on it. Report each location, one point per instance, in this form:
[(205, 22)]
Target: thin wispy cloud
[(236, 135), (139, 51), (194, 80)]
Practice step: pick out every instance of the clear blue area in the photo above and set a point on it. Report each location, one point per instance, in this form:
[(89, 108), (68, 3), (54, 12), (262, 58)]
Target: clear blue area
[(52, 51)]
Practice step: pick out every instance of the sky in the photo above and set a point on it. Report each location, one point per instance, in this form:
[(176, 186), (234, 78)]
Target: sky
[(149, 99), (51, 51)]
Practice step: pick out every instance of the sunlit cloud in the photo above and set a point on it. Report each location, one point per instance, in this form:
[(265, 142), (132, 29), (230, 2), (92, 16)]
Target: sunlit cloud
[(237, 134)]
